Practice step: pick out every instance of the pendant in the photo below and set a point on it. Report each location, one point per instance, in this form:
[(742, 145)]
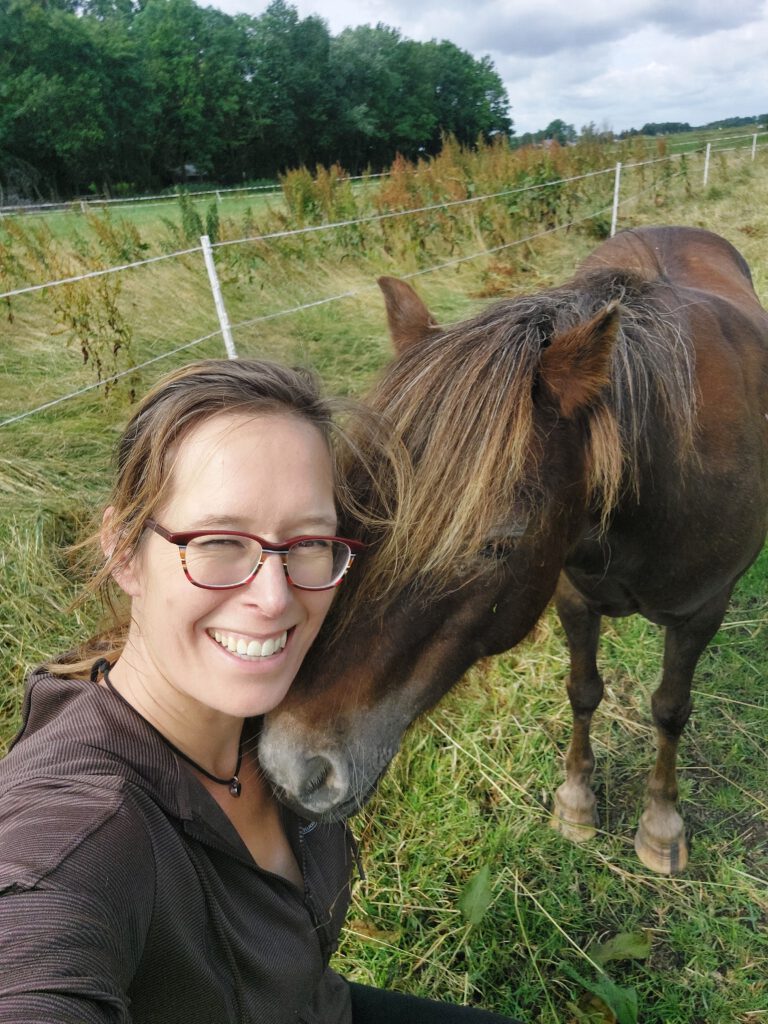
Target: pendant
[(235, 787)]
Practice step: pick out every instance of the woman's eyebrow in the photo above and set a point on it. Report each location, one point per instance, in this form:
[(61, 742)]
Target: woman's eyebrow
[(320, 522)]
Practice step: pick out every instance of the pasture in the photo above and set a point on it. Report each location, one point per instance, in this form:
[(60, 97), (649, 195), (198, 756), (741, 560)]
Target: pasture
[(469, 896)]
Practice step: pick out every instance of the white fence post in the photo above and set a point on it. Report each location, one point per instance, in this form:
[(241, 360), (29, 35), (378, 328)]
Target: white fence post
[(221, 311), (754, 145), (706, 162), (616, 187)]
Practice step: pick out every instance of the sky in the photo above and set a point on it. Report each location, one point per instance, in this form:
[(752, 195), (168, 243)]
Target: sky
[(617, 63)]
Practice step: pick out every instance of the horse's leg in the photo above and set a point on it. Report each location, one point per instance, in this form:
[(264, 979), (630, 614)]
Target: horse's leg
[(660, 838), (574, 812)]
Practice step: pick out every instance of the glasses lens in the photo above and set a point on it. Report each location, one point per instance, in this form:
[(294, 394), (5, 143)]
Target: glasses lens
[(315, 563), (220, 561)]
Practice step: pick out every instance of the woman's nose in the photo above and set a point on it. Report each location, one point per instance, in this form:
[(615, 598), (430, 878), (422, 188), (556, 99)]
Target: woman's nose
[(269, 588)]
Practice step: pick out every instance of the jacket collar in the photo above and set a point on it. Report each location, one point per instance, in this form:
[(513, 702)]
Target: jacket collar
[(83, 729)]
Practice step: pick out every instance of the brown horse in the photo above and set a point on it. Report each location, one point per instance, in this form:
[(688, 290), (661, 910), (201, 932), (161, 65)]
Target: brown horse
[(605, 442)]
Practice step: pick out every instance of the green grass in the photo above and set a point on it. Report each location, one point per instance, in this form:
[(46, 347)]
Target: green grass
[(147, 216), (472, 786)]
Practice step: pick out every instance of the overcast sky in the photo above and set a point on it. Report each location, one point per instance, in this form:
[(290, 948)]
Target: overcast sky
[(619, 64)]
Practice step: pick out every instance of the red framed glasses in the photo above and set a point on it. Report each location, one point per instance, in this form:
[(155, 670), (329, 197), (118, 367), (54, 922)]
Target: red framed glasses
[(226, 559)]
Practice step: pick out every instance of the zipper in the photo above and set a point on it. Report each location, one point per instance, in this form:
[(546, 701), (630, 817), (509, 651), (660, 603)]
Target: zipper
[(321, 927)]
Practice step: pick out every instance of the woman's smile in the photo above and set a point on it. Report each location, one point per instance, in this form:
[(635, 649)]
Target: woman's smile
[(248, 647)]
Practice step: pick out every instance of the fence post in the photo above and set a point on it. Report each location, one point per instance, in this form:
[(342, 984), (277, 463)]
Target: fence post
[(706, 162), (754, 145), (221, 311), (616, 186)]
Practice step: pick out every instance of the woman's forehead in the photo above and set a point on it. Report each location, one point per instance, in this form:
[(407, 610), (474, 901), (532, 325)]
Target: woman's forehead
[(242, 464)]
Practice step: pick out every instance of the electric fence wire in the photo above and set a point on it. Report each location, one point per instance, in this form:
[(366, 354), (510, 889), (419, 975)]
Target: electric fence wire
[(308, 305)]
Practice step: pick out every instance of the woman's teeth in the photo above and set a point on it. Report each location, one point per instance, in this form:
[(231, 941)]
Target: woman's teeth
[(251, 648)]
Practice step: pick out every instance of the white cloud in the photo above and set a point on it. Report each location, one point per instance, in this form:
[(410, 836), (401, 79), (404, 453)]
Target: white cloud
[(625, 63)]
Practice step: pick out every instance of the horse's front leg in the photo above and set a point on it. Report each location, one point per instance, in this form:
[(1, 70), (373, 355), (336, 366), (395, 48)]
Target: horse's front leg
[(574, 812), (660, 839)]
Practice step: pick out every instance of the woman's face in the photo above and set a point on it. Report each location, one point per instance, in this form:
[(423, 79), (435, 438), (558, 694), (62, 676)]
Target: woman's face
[(268, 475)]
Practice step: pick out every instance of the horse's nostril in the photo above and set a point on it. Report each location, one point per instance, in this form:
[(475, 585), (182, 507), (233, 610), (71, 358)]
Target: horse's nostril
[(317, 771)]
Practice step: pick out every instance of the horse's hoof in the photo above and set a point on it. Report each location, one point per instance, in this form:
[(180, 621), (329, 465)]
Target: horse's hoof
[(575, 813), (660, 842)]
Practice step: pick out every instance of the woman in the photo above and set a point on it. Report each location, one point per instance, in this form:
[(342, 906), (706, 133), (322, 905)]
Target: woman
[(147, 872)]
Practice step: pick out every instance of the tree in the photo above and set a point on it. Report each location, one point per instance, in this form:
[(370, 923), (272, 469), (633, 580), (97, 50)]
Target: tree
[(560, 132), (290, 93), (468, 97), (396, 95), (383, 107), (63, 82), (96, 92), (191, 63)]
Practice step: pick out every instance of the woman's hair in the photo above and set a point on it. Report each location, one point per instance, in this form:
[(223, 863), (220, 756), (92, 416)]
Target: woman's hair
[(178, 403)]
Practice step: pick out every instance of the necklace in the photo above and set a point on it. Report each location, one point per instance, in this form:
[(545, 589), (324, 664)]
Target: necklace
[(102, 667)]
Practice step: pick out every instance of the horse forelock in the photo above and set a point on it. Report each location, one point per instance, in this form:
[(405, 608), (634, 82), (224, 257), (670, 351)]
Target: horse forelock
[(463, 404)]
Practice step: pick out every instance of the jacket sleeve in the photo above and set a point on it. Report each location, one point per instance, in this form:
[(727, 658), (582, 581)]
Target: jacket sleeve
[(76, 893), (331, 1002)]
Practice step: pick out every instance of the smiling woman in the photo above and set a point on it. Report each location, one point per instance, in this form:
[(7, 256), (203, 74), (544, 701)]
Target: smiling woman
[(147, 872)]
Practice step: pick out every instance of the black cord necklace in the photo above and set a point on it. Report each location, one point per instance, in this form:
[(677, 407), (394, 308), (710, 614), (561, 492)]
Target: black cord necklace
[(102, 667)]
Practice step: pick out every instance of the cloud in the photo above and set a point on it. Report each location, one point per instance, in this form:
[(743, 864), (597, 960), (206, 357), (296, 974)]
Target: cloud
[(548, 27), (647, 76), (625, 63)]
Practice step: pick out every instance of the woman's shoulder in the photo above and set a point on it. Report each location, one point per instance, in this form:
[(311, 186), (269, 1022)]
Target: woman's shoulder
[(46, 822), (75, 732)]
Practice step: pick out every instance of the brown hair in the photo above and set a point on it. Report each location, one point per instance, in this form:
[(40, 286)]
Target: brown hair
[(179, 402)]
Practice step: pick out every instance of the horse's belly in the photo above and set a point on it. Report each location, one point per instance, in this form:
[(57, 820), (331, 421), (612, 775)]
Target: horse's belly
[(664, 575), (605, 594)]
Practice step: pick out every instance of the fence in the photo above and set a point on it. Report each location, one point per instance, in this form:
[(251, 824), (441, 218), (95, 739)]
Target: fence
[(161, 199), (164, 199), (226, 330)]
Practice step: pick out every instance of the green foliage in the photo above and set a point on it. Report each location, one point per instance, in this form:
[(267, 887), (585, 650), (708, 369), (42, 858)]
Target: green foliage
[(625, 946), (191, 221), (85, 312), (212, 222), (110, 91), (119, 240), (476, 896), (665, 128), (618, 1004), (607, 1002)]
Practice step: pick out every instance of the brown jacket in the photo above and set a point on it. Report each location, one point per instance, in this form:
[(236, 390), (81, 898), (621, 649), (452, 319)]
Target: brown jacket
[(127, 895)]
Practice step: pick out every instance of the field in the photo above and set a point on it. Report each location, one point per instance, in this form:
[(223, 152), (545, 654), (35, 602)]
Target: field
[(458, 832)]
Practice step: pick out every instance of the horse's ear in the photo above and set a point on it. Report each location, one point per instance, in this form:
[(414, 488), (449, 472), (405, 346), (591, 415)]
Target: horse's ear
[(576, 366), (409, 319)]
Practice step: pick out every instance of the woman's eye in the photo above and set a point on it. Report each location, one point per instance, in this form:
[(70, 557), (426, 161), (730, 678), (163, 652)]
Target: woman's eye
[(311, 544), (219, 542)]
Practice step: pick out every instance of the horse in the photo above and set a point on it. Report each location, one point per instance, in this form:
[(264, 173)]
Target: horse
[(605, 443)]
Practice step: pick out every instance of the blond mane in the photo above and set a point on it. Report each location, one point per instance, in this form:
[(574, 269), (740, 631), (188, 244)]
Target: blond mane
[(462, 404)]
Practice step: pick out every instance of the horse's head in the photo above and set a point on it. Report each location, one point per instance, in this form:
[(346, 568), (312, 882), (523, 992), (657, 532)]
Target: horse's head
[(501, 421)]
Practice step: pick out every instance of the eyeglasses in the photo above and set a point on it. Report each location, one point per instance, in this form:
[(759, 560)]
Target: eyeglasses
[(228, 559)]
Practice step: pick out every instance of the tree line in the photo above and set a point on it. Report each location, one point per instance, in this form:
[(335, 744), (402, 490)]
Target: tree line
[(134, 94), (677, 127)]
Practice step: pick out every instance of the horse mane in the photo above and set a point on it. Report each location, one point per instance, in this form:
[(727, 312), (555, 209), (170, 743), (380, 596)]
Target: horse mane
[(462, 402)]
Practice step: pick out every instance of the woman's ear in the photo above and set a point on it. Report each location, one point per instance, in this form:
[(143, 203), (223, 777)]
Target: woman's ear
[(124, 571)]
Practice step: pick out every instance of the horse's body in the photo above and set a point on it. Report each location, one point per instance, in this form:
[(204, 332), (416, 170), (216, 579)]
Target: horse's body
[(605, 442)]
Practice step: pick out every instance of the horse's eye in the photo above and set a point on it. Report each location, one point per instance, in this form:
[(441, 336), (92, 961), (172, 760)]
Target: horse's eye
[(498, 549)]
